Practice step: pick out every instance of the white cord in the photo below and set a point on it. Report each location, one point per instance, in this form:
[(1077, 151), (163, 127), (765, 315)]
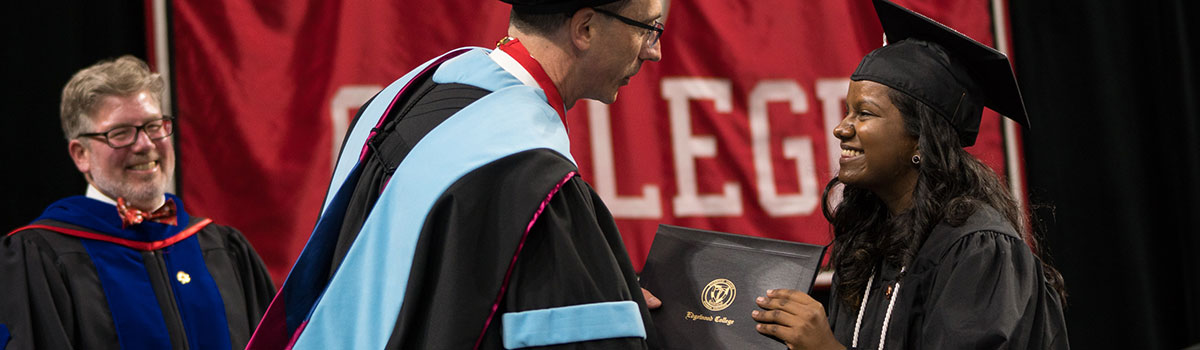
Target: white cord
[(861, 308), (888, 316)]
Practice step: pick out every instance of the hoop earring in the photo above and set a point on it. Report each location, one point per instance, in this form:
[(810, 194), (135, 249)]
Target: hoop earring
[(916, 159)]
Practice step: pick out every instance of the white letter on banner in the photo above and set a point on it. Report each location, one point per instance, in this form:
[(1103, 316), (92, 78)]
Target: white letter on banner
[(798, 148), (649, 205), (832, 93), (678, 91), (346, 97)]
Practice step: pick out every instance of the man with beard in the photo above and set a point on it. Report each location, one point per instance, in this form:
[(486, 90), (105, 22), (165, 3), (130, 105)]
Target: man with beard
[(126, 266)]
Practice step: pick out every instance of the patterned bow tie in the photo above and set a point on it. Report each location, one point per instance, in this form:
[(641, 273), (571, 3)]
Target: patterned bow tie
[(133, 216)]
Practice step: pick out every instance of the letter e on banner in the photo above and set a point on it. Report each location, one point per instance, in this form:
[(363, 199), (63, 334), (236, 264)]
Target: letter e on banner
[(687, 147)]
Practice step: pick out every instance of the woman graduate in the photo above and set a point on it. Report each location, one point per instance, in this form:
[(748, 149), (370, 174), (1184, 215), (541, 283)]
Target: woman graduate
[(926, 250)]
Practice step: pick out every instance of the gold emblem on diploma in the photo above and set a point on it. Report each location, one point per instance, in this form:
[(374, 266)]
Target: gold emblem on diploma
[(718, 294)]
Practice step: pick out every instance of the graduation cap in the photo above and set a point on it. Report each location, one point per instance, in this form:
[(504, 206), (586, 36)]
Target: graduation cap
[(945, 70), (553, 6)]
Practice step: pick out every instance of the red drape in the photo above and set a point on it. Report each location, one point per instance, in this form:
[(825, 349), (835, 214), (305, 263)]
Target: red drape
[(731, 131)]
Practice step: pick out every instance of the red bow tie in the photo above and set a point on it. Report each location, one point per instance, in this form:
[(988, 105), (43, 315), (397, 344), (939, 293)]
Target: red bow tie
[(133, 216)]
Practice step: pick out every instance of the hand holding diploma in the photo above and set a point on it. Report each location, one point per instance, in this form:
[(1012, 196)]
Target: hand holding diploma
[(795, 318)]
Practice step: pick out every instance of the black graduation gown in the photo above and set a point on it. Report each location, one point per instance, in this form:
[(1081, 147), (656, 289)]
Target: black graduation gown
[(572, 255), (51, 295), (977, 286)]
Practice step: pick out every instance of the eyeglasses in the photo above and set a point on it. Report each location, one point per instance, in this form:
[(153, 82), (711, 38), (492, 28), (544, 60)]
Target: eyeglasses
[(653, 31), (124, 136)]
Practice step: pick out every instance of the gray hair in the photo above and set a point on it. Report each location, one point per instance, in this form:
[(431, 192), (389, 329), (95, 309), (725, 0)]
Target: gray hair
[(124, 76)]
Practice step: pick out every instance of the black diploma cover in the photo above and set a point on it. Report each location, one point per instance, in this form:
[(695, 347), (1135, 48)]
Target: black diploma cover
[(708, 281)]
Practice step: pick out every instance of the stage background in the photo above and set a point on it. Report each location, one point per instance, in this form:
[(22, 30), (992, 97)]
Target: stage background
[(731, 131), (1113, 159)]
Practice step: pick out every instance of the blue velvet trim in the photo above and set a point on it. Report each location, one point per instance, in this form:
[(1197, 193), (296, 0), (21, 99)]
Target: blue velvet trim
[(575, 323), (4, 336), (200, 305), (102, 217), (126, 282), (135, 311)]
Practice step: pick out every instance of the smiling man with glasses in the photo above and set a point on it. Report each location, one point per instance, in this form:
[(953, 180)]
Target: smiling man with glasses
[(125, 136), (457, 218), (126, 266)]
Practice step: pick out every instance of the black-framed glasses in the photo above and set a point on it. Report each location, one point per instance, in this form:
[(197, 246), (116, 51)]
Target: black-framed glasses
[(653, 31), (123, 136)]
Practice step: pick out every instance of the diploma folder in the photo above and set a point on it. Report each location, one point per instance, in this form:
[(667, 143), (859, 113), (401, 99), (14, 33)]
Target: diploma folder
[(708, 281)]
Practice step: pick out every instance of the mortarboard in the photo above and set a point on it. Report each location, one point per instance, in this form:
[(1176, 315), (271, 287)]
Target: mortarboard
[(942, 68), (553, 6)]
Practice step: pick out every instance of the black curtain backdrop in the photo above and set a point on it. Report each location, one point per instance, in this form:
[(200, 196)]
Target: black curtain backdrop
[(45, 42), (1112, 87)]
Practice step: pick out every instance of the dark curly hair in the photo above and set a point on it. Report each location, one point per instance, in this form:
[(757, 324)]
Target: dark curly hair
[(951, 185)]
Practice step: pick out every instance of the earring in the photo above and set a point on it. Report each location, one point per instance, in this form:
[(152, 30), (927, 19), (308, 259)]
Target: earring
[(916, 159)]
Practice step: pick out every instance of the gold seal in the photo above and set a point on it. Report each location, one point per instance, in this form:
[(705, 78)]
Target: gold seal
[(718, 294), (183, 277)]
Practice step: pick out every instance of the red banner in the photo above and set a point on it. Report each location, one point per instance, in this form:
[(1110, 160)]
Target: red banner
[(731, 131)]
